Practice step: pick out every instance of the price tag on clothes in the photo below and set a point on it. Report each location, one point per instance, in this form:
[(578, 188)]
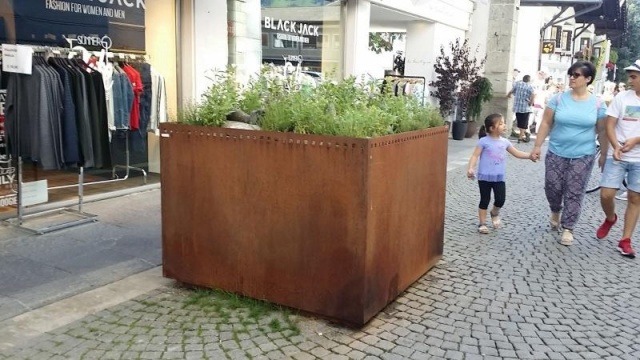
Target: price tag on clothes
[(17, 58)]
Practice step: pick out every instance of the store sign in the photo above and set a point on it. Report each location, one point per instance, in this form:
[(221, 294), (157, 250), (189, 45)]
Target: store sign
[(290, 30), (104, 42), (49, 22), (8, 181), (34, 193), (293, 58), (548, 47), (294, 3), (17, 59)]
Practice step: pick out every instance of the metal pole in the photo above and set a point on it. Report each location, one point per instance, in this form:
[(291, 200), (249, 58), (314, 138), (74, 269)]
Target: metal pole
[(80, 188), (19, 196)]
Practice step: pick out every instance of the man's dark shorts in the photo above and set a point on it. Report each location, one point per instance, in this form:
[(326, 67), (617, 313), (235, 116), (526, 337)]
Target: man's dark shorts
[(523, 120)]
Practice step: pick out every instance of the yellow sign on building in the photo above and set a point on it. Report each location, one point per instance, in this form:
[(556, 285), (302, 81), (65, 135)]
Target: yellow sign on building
[(548, 47)]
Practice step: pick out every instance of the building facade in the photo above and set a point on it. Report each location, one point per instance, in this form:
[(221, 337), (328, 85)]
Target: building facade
[(187, 41)]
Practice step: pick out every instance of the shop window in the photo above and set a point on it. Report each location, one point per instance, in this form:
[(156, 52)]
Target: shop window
[(565, 43), (265, 40), (336, 41), (314, 43), (284, 41), (303, 34), (121, 144), (556, 34), (585, 48)]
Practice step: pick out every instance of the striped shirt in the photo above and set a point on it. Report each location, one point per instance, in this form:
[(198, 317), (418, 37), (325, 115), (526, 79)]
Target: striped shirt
[(522, 92)]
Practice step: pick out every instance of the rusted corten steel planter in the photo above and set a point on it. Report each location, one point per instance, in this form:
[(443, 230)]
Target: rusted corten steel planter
[(334, 226)]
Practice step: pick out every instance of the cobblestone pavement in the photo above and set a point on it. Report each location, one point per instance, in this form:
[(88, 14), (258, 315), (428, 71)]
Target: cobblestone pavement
[(515, 293)]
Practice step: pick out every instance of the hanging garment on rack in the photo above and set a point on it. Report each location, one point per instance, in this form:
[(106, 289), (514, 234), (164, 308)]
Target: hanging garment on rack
[(136, 83), (52, 131), (58, 116), (122, 99), (144, 70), (158, 100), (77, 140), (100, 126), (107, 70), (82, 118), (70, 147), (33, 116)]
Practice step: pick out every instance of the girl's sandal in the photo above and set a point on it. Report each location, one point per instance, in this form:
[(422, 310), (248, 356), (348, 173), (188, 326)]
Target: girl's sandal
[(495, 220), (483, 229)]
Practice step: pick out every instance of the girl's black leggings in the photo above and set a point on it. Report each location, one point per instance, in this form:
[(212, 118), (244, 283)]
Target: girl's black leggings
[(499, 193)]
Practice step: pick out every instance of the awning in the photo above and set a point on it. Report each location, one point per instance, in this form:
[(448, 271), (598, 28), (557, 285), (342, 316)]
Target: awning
[(570, 3), (609, 19)]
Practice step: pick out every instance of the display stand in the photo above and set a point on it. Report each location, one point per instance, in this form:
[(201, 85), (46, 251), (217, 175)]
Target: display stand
[(70, 217), (420, 79)]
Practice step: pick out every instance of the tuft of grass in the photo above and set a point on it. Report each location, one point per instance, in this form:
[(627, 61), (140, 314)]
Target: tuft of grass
[(225, 305), (275, 325)]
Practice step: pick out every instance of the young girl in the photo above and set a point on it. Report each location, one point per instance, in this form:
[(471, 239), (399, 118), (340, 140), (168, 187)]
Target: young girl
[(492, 150)]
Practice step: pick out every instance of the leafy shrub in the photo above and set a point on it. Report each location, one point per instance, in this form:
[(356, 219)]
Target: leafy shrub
[(482, 92), (220, 99), (456, 70), (344, 108)]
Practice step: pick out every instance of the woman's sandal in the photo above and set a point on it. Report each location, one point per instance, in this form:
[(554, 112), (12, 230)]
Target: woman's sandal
[(495, 220), (554, 222), (483, 229)]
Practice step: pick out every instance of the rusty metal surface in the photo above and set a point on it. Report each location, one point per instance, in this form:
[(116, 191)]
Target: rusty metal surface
[(407, 189), (300, 220)]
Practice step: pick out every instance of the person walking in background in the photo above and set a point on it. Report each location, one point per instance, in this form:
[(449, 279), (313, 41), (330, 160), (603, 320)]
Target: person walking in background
[(491, 150), (523, 95), (571, 120), (623, 159)]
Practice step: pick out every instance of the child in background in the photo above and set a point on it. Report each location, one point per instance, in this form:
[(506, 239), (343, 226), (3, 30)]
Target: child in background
[(492, 151)]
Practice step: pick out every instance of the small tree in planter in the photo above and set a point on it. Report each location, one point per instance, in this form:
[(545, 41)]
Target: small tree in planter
[(456, 71), (482, 93)]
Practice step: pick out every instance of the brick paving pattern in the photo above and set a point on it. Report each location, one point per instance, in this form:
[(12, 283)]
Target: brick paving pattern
[(513, 294)]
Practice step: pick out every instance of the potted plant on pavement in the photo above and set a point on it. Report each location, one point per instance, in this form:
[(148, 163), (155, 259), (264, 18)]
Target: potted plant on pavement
[(322, 209), (456, 70), (482, 93)]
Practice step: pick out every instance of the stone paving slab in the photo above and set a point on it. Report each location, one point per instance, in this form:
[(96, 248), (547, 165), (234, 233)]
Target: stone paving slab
[(513, 294)]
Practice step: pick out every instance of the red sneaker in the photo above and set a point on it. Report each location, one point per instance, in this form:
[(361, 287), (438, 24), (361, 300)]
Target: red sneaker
[(603, 230), (625, 248)]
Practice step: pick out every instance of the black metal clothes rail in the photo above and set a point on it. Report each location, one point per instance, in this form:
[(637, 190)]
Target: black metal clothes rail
[(393, 80)]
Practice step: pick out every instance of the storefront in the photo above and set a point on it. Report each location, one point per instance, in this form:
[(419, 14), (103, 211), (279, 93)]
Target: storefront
[(104, 75), (428, 25), (183, 42), (304, 37)]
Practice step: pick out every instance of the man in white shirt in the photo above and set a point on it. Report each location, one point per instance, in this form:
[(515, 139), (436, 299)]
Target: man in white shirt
[(623, 159)]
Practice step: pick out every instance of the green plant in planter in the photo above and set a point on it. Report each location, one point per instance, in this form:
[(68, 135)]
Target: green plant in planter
[(344, 108), (456, 71), (220, 99), (482, 93)]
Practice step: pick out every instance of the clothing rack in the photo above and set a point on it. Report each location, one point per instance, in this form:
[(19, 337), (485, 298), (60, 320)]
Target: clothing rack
[(409, 79), (81, 216), (127, 166), (114, 175)]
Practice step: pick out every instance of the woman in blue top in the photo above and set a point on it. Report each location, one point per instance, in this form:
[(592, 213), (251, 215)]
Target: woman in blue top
[(571, 121), (492, 152)]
